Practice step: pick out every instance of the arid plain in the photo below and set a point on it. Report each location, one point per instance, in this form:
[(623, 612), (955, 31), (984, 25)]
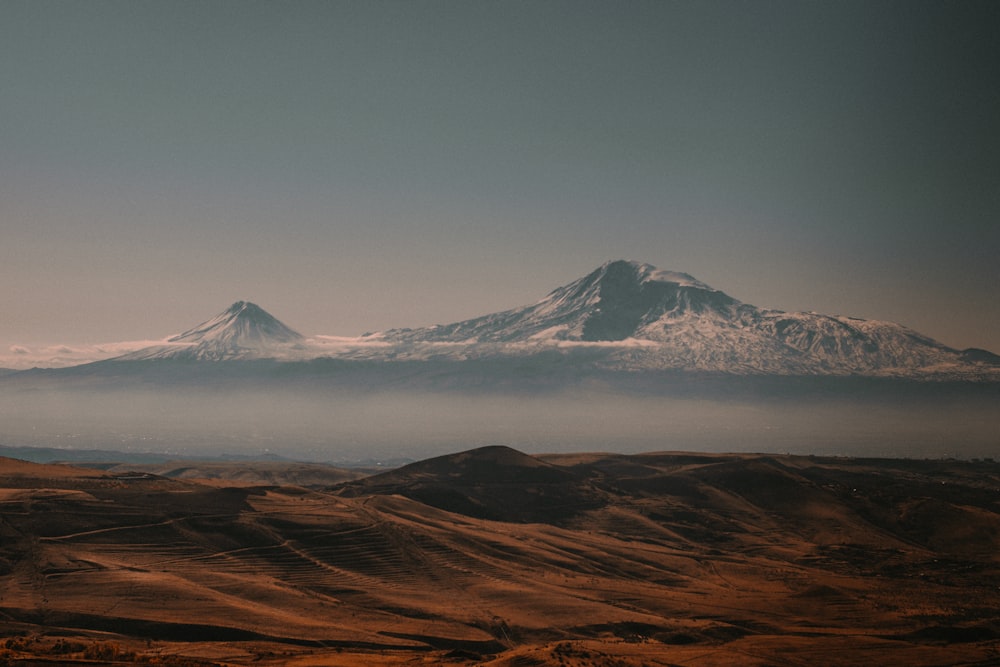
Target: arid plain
[(495, 557)]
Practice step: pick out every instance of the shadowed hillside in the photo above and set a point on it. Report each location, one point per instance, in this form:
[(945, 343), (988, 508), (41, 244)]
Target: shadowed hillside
[(494, 482)]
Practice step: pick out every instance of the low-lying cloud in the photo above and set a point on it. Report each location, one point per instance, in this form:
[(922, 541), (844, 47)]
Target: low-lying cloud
[(21, 357)]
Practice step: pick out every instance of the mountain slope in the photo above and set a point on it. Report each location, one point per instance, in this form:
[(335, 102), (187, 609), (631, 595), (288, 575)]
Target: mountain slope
[(243, 331), (651, 319), (615, 302)]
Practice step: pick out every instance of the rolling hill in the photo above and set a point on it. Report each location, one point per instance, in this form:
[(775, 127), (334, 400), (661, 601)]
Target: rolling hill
[(494, 557)]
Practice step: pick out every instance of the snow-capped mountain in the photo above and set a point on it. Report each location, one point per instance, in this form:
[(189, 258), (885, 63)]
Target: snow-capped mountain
[(242, 331), (623, 316), (645, 318), (618, 301)]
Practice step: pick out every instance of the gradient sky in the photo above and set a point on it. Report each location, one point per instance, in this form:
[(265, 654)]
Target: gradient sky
[(354, 166)]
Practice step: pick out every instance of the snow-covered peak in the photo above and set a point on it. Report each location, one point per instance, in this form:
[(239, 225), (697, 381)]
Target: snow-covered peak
[(641, 317), (243, 322), (646, 273), (242, 331), (618, 301)]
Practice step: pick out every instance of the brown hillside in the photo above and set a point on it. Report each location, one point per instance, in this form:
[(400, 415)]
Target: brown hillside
[(495, 557)]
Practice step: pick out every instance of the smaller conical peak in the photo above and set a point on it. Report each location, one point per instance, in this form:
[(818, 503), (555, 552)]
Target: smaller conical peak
[(241, 323)]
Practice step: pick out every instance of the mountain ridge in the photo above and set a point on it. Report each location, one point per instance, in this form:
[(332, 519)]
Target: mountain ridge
[(627, 316), (574, 311)]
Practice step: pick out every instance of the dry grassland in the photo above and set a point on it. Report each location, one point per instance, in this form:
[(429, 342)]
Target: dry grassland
[(492, 557)]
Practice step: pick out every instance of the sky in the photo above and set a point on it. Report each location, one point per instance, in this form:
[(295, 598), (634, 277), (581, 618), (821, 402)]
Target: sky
[(357, 166)]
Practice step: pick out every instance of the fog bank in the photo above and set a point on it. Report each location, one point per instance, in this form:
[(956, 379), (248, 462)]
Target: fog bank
[(344, 426)]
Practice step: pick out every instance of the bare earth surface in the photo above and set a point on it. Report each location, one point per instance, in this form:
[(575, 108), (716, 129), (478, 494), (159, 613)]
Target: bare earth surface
[(493, 557)]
